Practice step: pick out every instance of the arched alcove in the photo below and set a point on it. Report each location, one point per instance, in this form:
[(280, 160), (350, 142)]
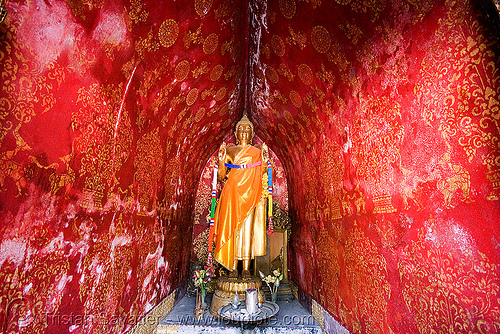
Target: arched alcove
[(277, 250)]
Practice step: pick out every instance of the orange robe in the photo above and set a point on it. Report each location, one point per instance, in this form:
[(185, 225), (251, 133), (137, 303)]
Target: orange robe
[(240, 221)]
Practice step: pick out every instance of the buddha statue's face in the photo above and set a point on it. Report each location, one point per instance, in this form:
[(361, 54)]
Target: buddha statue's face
[(244, 133)]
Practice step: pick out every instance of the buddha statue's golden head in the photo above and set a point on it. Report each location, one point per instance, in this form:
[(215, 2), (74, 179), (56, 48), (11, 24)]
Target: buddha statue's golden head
[(244, 130)]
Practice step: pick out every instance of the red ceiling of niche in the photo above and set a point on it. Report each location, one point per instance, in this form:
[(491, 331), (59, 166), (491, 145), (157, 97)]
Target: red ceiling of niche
[(115, 107), (376, 111)]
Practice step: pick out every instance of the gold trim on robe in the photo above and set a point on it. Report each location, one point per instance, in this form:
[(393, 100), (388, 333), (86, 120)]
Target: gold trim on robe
[(240, 216)]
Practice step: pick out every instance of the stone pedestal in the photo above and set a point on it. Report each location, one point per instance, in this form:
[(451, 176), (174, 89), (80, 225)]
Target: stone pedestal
[(226, 287)]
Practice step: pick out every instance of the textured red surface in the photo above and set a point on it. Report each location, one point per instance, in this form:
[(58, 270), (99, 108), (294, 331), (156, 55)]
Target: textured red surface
[(109, 112), (384, 115)]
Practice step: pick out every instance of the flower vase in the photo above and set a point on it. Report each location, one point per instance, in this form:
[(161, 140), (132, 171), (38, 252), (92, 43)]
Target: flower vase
[(274, 296), (203, 294)]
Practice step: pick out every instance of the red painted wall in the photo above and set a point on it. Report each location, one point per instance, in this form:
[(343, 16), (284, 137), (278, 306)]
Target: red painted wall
[(385, 115), (109, 111)]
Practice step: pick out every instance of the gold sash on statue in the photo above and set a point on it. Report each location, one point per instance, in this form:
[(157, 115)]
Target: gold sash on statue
[(240, 216)]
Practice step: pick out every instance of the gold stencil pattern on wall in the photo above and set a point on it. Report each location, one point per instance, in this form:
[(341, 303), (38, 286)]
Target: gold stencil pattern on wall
[(204, 193), (216, 72), (320, 39), (464, 106), (104, 146), (202, 7), (168, 33), (306, 74), (366, 271), (278, 45), (182, 70), (200, 246), (328, 264), (24, 91), (272, 75), (44, 274), (148, 164), (192, 96), (295, 98), (221, 93), (376, 136), (136, 13), (444, 292), (210, 44), (331, 163), (288, 8)]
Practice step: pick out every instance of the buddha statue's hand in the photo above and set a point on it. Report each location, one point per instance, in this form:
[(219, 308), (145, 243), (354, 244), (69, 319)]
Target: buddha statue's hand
[(265, 153), (222, 152)]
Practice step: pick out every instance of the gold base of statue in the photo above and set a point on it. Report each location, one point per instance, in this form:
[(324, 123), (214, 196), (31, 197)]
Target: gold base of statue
[(226, 287)]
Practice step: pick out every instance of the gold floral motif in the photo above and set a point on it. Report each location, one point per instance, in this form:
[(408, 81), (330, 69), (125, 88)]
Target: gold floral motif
[(377, 135), (202, 69), (208, 93), (295, 98), (465, 106), (328, 264), (148, 164), (226, 46), (272, 75), (148, 43), (224, 10), (230, 73), (375, 7), (221, 93), (338, 57), (182, 70), (192, 96), (309, 101), (305, 74), (366, 271), (103, 141), (284, 71), (193, 37), (200, 114), (210, 44), (200, 246), (136, 12), (458, 294), (288, 8), (299, 39), (419, 8), (168, 33), (352, 31), (278, 45), (320, 39), (202, 7), (326, 76)]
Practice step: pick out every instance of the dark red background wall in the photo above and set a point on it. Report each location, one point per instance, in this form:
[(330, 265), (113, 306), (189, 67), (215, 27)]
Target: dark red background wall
[(384, 115)]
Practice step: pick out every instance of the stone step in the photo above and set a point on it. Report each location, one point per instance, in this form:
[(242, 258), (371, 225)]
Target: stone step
[(292, 318)]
